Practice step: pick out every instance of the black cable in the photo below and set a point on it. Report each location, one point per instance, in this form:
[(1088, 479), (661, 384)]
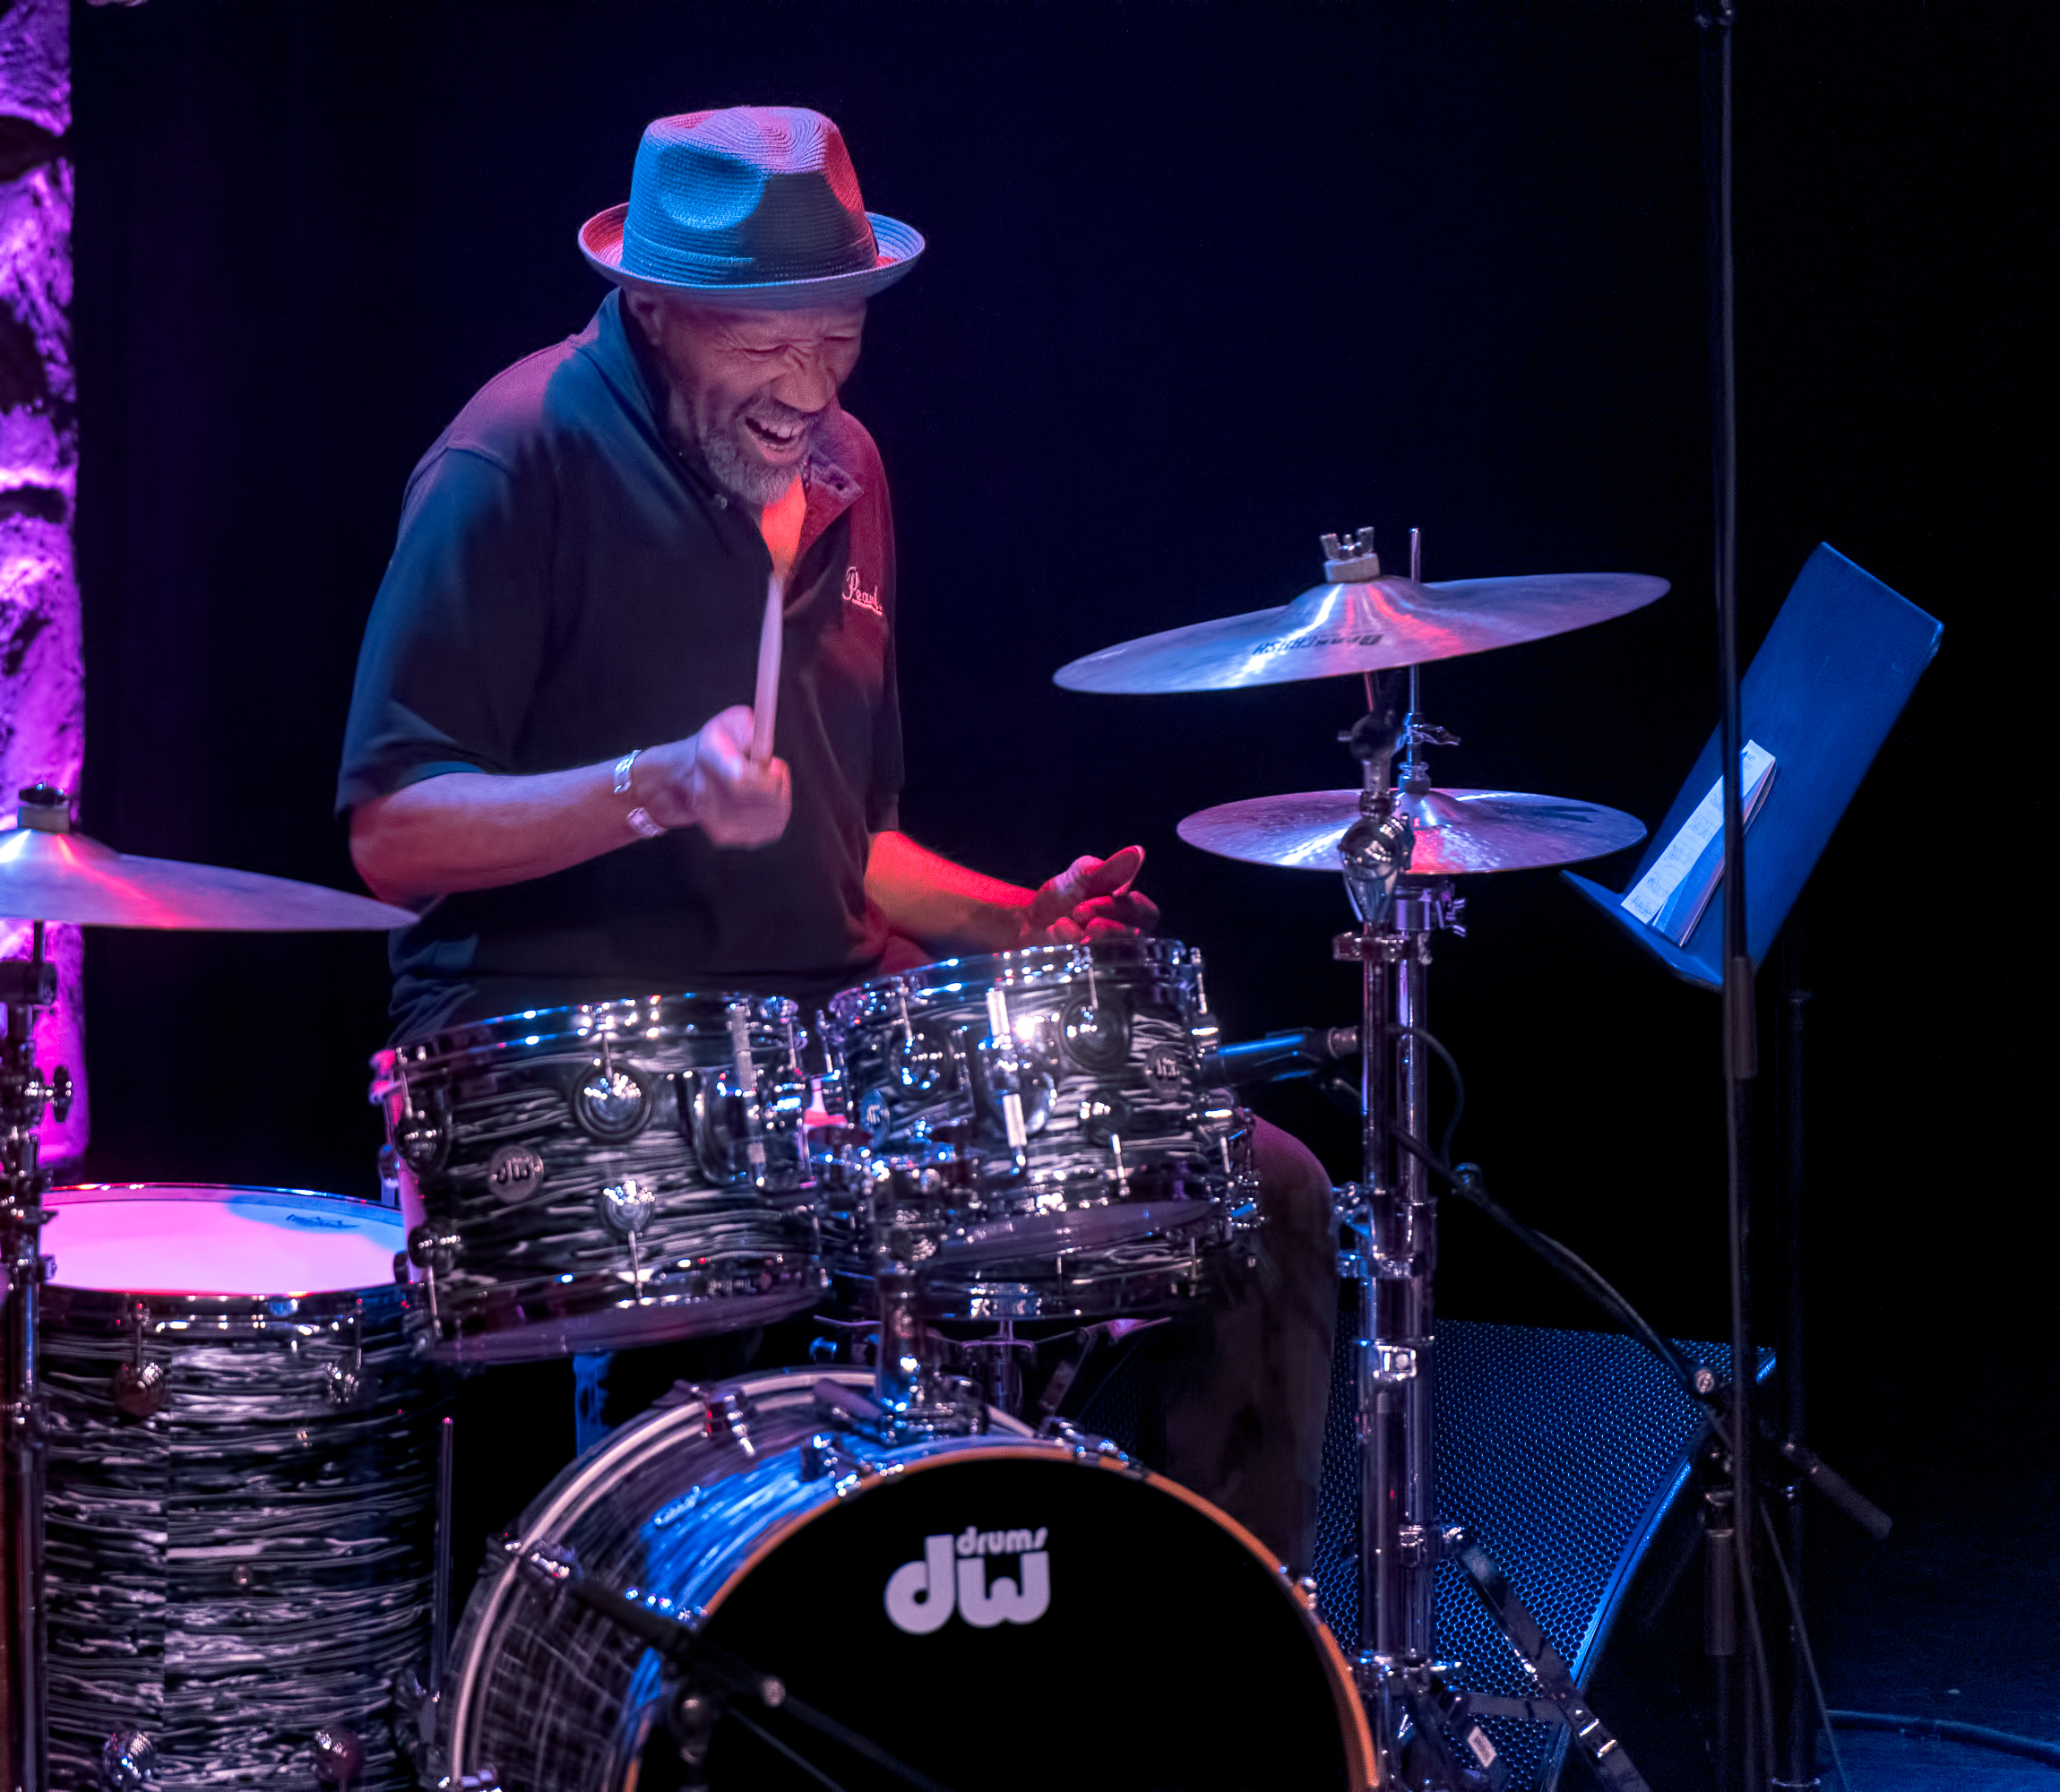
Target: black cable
[(1452, 1070), (778, 1747), (1945, 1729), (1803, 1642), (1467, 1182)]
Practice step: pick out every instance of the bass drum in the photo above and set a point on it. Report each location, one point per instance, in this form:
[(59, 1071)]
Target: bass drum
[(997, 1612)]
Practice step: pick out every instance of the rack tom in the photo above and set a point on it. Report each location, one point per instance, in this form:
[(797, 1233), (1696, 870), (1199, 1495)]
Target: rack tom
[(611, 1174), (1091, 1165)]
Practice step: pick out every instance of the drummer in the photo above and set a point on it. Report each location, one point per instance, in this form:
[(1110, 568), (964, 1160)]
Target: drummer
[(550, 754)]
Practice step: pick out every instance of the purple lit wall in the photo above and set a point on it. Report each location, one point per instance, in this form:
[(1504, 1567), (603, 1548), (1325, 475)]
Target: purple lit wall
[(41, 676)]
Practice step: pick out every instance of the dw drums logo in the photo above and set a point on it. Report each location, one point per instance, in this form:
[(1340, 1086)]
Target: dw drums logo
[(953, 1573)]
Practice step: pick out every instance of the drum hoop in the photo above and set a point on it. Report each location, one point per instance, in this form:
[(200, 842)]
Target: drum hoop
[(484, 1039), (1025, 968), (206, 1313)]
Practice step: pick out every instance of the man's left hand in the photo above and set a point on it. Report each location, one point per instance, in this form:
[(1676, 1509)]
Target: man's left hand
[(1090, 899)]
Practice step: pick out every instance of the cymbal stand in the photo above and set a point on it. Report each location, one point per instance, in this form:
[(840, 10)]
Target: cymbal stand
[(1428, 1732), (26, 987), (1393, 1220)]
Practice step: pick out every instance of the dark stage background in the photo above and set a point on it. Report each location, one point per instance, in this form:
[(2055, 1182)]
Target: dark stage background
[(1203, 281)]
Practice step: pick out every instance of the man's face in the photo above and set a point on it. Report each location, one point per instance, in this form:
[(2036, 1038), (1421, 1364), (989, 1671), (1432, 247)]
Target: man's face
[(748, 389)]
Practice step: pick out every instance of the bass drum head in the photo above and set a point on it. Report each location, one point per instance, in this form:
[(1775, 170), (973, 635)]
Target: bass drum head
[(997, 1613), (1150, 1646)]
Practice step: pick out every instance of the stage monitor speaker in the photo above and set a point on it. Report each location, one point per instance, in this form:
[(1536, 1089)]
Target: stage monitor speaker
[(1567, 1454)]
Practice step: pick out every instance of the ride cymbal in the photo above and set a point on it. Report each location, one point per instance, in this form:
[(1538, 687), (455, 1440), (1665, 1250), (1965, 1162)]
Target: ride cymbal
[(1458, 833)]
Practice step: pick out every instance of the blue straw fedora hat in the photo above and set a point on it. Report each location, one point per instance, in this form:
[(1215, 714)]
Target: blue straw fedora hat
[(756, 206)]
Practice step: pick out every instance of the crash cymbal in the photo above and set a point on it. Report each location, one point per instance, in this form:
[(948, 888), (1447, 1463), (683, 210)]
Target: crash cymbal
[(48, 875), (1360, 626), (1457, 831)]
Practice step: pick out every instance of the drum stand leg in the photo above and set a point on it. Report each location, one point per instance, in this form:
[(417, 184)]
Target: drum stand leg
[(25, 987)]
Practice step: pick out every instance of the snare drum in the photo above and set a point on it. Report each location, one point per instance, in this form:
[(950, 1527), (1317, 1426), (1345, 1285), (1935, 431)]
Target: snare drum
[(1109, 1167), (617, 1173), (1000, 1611), (241, 1499)]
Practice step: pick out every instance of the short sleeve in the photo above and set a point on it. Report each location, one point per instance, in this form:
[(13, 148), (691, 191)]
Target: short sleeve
[(456, 644)]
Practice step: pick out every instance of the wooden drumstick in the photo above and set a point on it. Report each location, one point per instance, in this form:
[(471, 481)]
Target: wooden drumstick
[(765, 710)]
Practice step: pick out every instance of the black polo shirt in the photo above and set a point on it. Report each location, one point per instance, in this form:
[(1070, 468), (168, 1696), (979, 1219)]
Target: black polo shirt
[(565, 587)]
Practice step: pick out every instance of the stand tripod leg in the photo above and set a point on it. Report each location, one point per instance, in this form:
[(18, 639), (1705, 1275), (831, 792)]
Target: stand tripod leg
[(1720, 1626), (1613, 1766)]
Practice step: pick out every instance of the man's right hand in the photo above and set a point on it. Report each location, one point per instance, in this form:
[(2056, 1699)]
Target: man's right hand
[(709, 780)]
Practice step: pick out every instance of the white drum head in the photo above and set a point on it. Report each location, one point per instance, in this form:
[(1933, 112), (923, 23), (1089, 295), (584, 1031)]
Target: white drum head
[(204, 1238)]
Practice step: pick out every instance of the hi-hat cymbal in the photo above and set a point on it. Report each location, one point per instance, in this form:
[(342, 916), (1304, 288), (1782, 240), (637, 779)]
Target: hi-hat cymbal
[(1359, 625), (51, 876), (1457, 831)]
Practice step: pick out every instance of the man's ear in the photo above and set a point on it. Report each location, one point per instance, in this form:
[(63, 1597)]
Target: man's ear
[(647, 309)]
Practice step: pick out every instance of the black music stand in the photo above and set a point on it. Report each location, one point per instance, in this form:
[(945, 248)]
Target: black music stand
[(1822, 694)]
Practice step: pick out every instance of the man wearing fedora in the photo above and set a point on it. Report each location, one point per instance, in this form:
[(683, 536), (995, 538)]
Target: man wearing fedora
[(548, 746)]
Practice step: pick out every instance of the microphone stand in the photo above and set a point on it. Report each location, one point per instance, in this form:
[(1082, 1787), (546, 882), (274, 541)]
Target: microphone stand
[(1745, 1763)]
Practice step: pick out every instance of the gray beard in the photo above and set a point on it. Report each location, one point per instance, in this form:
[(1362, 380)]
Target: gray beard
[(723, 458)]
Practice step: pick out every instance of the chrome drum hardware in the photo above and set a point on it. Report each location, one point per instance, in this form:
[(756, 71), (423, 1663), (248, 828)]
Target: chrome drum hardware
[(1107, 1165), (617, 1173), (242, 1488)]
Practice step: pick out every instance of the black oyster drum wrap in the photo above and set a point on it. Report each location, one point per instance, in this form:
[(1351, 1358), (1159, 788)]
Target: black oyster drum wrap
[(1078, 1076), (615, 1174), (999, 1612), (240, 1512)]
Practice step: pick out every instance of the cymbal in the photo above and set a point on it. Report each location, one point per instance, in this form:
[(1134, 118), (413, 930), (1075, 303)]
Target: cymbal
[(1457, 831), (1359, 625), (50, 876)]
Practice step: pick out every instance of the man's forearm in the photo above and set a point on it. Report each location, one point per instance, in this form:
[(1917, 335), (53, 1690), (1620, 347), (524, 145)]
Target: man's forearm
[(941, 904), (469, 831)]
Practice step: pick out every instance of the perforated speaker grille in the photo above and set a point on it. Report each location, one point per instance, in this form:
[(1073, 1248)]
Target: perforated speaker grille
[(1560, 1449)]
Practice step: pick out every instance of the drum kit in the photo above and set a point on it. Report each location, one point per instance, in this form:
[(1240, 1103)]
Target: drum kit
[(228, 1463)]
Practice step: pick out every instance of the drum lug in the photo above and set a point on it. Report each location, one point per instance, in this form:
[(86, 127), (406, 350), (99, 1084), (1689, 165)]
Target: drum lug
[(128, 1761), (420, 1135), (1090, 1445), (1104, 1117), (729, 1414), (346, 1383), (141, 1387), (436, 1252), (627, 1207), (338, 1756), (821, 1455)]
